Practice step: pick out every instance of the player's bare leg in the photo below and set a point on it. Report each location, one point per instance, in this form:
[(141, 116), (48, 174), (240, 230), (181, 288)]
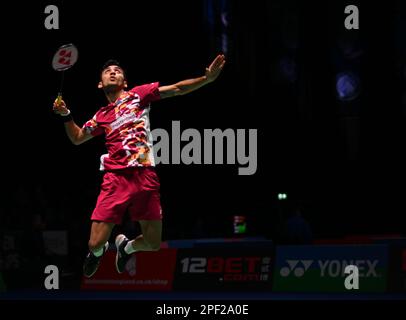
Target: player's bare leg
[(98, 245), (149, 240)]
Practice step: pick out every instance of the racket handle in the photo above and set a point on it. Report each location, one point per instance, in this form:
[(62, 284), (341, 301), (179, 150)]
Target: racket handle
[(59, 99)]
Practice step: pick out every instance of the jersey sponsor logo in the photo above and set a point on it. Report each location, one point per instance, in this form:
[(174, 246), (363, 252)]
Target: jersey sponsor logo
[(126, 118)]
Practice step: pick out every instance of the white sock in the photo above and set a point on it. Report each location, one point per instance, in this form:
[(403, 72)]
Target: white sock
[(129, 247), (99, 252)]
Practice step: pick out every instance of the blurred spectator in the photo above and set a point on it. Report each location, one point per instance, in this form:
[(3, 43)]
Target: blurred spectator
[(296, 230)]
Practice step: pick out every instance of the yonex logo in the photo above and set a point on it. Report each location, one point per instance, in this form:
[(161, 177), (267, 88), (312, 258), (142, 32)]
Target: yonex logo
[(330, 268), (298, 267)]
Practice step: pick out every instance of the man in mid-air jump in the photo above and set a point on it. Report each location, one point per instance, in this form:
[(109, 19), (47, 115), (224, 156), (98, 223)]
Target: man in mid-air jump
[(130, 182)]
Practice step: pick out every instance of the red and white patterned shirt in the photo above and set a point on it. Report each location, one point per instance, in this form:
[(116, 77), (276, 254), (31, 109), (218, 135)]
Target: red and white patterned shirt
[(126, 126)]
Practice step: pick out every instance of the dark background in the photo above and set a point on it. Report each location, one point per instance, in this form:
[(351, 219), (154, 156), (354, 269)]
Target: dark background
[(342, 163)]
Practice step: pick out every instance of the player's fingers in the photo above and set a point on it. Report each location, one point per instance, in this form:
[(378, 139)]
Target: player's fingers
[(59, 109), (219, 67), (215, 62), (59, 99)]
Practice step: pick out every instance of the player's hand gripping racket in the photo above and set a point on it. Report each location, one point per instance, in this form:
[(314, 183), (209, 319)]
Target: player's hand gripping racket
[(64, 58)]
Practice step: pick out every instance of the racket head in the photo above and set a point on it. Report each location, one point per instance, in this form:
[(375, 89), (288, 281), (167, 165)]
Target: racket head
[(65, 57)]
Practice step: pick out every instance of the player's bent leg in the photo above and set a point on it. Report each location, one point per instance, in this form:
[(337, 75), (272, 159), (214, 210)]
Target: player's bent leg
[(150, 240), (99, 234), (98, 245), (152, 233)]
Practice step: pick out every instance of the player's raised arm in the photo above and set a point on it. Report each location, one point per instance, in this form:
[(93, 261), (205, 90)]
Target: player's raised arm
[(187, 86), (76, 134)]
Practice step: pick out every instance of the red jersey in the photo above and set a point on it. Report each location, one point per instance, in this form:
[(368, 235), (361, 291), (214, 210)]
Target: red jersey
[(126, 126)]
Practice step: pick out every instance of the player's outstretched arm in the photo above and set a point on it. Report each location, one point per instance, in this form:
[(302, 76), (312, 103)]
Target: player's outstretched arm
[(187, 86), (76, 134)]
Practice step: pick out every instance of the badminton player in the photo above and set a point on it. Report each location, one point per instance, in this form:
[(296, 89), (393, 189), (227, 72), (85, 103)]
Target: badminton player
[(130, 183)]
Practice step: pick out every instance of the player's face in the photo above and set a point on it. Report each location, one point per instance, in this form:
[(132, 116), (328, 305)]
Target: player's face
[(112, 78)]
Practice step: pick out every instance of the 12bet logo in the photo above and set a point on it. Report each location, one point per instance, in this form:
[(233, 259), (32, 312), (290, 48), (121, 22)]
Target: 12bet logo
[(232, 268)]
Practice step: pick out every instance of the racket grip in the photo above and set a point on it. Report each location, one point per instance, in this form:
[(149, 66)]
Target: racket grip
[(59, 99)]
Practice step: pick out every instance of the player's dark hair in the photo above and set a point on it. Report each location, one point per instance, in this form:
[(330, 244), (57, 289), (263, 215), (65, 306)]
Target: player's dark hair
[(112, 62)]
